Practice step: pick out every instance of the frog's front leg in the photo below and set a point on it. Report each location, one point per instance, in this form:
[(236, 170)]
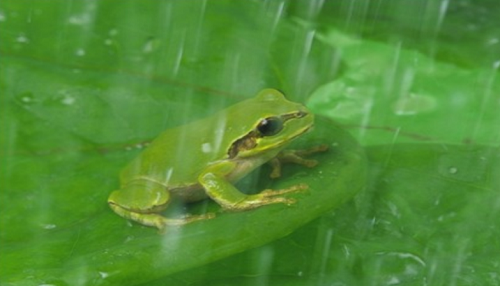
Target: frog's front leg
[(142, 200), (296, 157), (221, 190)]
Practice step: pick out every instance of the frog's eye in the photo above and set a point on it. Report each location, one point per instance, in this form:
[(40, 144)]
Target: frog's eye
[(270, 126)]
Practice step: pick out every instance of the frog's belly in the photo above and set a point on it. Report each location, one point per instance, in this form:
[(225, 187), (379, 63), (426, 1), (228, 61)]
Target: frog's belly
[(189, 194)]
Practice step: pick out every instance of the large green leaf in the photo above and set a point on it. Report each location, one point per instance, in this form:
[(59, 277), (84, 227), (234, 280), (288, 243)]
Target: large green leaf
[(409, 94), (76, 115), (69, 234), (84, 83)]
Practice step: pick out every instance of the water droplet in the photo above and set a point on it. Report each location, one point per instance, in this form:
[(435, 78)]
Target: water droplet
[(49, 226), (2, 16), (103, 274), (394, 280), (81, 19), (493, 41), (80, 52), (140, 146), (68, 100), (453, 170), (22, 39), (437, 201), (496, 64), (65, 97), (108, 42), (113, 32), (449, 166), (151, 45), (25, 98), (206, 147)]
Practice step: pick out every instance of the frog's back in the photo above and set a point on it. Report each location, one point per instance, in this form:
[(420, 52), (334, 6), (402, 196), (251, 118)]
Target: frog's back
[(178, 155)]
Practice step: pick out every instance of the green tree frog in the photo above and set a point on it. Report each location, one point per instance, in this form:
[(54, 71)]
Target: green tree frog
[(204, 158)]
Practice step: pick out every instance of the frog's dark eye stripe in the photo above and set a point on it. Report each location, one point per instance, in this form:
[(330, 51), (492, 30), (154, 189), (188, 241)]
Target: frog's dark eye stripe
[(246, 142)]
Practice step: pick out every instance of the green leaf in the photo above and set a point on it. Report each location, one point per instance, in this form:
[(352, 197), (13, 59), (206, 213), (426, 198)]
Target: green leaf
[(408, 94), (77, 237), (84, 83)]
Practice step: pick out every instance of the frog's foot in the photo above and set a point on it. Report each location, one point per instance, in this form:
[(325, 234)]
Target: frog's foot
[(296, 157), (293, 189), (267, 197), (186, 219), (164, 222)]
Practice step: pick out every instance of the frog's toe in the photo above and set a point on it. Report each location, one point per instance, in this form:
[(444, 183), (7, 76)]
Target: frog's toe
[(292, 189)]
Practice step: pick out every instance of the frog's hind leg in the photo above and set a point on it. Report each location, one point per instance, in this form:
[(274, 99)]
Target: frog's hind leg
[(156, 220), (142, 202)]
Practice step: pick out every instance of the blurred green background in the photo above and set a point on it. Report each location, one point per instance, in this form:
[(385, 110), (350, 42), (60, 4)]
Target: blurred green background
[(84, 83)]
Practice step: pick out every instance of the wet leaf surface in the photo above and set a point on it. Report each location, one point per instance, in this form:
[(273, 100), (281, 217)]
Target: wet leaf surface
[(84, 84)]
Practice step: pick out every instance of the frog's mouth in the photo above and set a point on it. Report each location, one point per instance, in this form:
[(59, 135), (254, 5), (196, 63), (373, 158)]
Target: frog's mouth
[(303, 131)]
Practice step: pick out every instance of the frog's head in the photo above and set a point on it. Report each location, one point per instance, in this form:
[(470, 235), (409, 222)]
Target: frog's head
[(273, 122)]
